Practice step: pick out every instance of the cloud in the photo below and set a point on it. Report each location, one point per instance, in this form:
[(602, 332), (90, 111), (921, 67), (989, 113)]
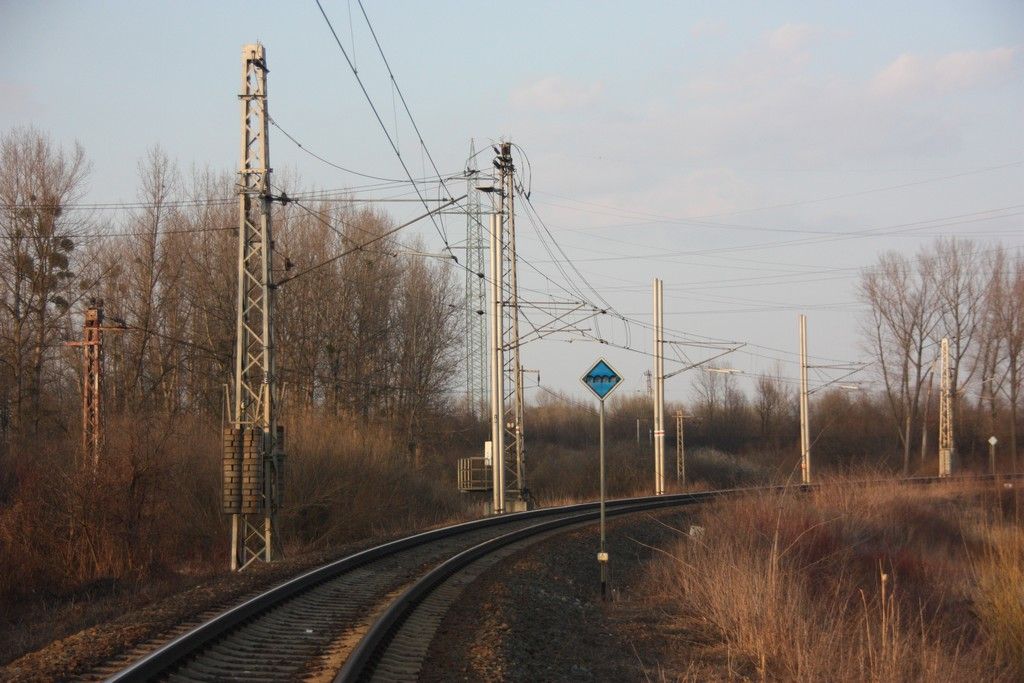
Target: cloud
[(792, 37), (555, 93), (913, 74)]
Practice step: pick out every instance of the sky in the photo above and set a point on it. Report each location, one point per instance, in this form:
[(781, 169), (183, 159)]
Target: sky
[(753, 155)]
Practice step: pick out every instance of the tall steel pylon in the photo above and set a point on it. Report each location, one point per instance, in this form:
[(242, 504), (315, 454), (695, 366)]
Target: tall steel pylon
[(477, 383), (945, 413), (253, 455), (512, 458)]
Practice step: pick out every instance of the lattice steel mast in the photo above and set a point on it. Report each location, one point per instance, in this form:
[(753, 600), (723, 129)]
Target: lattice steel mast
[(477, 383), (253, 444), (514, 458)]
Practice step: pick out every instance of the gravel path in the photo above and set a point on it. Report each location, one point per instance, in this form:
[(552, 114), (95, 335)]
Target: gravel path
[(540, 617)]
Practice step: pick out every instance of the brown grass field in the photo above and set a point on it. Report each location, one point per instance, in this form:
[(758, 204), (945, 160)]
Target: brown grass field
[(847, 583)]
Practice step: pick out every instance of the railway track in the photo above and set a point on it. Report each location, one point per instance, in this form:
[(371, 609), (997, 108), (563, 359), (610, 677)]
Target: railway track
[(299, 626), (372, 614)]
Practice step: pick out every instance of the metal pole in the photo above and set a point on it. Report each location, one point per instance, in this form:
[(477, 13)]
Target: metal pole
[(602, 555), (805, 441), (234, 541), (680, 452), (254, 416), (497, 372), (477, 379), (992, 456), (659, 391), (513, 305)]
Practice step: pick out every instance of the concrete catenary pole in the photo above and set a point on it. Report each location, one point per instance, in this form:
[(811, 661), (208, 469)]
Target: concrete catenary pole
[(659, 390), (497, 370), (945, 413), (805, 430)]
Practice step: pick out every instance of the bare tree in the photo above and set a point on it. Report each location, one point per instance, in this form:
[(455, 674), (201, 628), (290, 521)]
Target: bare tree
[(989, 362), (903, 314), (1010, 321), (37, 181), (954, 267), (773, 402)]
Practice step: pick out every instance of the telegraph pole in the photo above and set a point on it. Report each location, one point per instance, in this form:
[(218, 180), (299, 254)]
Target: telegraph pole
[(805, 431), (253, 445), (659, 390), (497, 371), (945, 414), (92, 383)]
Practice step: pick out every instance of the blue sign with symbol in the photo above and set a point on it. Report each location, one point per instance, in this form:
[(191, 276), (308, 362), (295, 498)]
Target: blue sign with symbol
[(601, 379)]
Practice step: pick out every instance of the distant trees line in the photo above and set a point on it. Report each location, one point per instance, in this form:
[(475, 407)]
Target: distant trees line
[(373, 335), (972, 294), (370, 335)]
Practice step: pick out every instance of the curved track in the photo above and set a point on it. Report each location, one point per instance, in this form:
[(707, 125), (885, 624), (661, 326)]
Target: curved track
[(376, 611), (285, 632)]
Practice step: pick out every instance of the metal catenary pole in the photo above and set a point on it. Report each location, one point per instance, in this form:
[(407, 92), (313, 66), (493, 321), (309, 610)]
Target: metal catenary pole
[(477, 377), (805, 441), (497, 372), (514, 454), (252, 446)]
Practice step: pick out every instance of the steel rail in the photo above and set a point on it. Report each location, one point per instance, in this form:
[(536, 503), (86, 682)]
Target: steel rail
[(166, 657), (174, 653), (360, 663)]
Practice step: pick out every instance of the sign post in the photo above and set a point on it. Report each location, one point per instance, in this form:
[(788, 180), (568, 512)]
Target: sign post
[(601, 379), (992, 441)]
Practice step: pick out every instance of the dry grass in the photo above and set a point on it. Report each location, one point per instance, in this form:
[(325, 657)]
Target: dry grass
[(880, 583), (77, 548), (998, 573)]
